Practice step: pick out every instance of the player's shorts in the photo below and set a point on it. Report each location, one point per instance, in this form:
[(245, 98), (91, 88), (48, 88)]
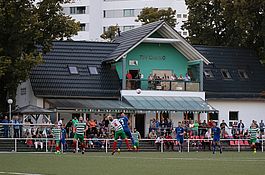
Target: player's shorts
[(80, 137), (253, 140), (119, 134), (57, 142), (180, 140), (136, 143), (128, 133), (216, 139)]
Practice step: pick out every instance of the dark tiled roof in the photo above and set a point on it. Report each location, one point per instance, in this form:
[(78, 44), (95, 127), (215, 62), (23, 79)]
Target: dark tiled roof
[(52, 79), (130, 38), (233, 59)]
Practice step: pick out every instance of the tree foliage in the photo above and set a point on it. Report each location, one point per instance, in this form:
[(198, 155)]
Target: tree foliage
[(110, 33), (150, 14), (233, 23), (25, 24)]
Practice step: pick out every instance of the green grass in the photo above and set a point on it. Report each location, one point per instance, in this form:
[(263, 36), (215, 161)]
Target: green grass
[(195, 163)]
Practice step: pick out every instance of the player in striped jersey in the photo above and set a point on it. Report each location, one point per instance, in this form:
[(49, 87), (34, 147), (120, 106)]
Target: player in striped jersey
[(253, 131), (119, 132), (81, 128), (56, 131)]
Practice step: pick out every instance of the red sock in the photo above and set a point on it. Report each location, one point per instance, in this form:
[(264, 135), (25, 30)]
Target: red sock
[(114, 145), (57, 148), (74, 145), (82, 145), (127, 143)]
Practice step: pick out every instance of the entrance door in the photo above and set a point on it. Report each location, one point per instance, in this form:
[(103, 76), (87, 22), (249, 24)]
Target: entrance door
[(139, 123)]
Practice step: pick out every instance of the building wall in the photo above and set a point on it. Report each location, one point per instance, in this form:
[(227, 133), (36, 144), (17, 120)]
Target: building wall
[(25, 96), (152, 56), (247, 110), (96, 21)]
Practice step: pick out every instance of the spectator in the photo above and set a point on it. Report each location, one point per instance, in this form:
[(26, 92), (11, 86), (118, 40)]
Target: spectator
[(152, 134), (222, 127), (187, 77), (203, 127), (240, 127), (195, 128), (261, 128), (38, 141), (60, 122), (169, 143), (6, 126), (16, 127), (158, 142), (234, 128)]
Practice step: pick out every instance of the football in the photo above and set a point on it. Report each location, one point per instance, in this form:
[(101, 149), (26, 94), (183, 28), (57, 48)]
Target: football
[(138, 91)]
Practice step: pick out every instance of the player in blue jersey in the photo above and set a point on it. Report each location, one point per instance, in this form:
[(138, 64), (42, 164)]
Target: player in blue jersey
[(216, 131), (124, 122), (179, 136)]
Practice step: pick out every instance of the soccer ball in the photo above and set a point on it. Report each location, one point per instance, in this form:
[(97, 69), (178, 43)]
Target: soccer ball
[(138, 91)]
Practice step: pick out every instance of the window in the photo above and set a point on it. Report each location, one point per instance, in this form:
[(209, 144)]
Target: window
[(243, 74), (233, 115), (185, 16), (208, 74), (185, 33), (128, 12), (213, 116), (78, 10), (93, 70), (23, 91), (126, 28), (226, 74), (82, 27), (73, 70), (178, 15)]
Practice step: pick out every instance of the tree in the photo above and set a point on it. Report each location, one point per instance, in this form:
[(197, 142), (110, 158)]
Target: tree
[(150, 14), (237, 23), (110, 33), (25, 25)]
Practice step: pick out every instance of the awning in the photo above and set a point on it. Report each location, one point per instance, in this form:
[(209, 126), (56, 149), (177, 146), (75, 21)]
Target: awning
[(168, 103), (30, 109), (90, 105)]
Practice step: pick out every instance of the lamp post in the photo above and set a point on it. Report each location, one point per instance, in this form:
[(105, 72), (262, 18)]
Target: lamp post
[(10, 101)]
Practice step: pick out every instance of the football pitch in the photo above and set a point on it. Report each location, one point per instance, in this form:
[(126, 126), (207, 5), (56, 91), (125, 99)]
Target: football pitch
[(131, 163)]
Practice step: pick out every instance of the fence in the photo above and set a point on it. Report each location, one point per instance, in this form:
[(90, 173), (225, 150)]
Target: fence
[(105, 145)]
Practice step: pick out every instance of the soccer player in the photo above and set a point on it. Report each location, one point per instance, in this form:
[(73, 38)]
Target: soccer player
[(179, 136), (216, 131), (81, 128), (119, 132), (124, 122), (136, 136), (56, 131), (253, 136)]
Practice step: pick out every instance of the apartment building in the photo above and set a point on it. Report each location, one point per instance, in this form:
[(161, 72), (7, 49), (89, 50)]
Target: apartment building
[(96, 16)]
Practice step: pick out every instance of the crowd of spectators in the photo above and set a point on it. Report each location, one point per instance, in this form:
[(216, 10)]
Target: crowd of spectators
[(163, 129)]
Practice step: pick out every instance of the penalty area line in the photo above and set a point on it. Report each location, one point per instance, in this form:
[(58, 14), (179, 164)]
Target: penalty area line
[(16, 173)]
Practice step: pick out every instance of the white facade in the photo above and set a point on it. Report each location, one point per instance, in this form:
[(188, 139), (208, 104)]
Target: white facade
[(247, 110), (97, 15), (25, 96)]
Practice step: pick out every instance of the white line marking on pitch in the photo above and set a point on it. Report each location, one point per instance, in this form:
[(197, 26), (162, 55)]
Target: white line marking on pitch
[(181, 158), (15, 173)]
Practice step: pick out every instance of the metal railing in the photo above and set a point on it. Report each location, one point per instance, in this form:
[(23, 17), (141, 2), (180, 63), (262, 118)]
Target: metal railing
[(164, 85), (189, 145)]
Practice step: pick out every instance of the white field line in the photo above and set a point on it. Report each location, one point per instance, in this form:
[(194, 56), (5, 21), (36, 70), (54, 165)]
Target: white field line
[(15, 173), (182, 158)]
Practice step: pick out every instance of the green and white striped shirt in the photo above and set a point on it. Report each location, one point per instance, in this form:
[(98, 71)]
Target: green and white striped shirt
[(80, 127), (57, 133), (253, 133)]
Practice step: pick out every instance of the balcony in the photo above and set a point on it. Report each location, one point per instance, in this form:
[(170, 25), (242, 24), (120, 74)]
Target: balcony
[(162, 85)]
